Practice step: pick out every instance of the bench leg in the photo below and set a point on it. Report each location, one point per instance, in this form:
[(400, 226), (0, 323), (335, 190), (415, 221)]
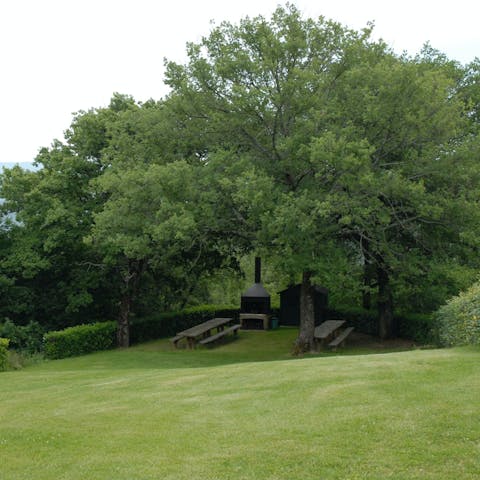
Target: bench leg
[(341, 344), (318, 344)]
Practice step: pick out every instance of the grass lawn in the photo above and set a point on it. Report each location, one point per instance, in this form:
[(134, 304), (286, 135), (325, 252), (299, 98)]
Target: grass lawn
[(244, 410)]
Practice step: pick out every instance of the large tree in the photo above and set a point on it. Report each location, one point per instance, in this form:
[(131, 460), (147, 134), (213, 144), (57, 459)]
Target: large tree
[(350, 134), (51, 274), (162, 221), (389, 203), (112, 216), (262, 89), (46, 260)]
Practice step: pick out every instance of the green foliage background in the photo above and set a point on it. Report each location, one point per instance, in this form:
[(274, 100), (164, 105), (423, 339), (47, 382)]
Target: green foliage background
[(296, 139)]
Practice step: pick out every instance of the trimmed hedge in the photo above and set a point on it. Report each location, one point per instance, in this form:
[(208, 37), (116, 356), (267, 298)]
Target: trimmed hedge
[(414, 326), (80, 340), (3, 353), (458, 322), (169, 323)]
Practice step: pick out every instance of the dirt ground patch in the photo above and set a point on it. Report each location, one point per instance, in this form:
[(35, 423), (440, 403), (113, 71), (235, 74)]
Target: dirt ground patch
[(361, 340)]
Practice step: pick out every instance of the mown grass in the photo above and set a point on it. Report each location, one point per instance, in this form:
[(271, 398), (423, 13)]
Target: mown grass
[(244, 410)]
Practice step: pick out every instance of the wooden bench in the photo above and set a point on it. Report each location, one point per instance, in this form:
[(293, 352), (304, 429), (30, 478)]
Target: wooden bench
[(201, 330), (326, 331), (233, 329), (340, 340)]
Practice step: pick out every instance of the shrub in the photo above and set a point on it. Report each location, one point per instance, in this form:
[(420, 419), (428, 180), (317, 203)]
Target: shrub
[(33, 337), (417, 326), (27, 338), (3, 353), (13, 332), (458, 322), (80, 340)]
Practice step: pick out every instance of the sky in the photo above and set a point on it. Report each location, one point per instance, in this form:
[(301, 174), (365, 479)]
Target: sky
[(61, 56)]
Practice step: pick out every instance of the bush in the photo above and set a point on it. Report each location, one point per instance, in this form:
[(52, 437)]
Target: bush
[(414, 326), (3, 353), (168, 324), (80, 340), (458, 322), (27, 338), (417, 326)]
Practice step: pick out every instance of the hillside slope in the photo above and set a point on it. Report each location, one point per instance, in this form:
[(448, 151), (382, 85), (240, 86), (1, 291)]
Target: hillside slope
[(150, 412)]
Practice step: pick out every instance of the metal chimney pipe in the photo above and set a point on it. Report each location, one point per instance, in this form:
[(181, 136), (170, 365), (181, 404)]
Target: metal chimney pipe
[(258, 270)]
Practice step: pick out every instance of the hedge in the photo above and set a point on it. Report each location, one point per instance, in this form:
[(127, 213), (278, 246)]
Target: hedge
[(80, 340), (414, 326), (419, 327), (3, 353)]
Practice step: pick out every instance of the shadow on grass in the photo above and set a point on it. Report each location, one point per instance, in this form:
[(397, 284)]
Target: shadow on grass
[(249, 346)]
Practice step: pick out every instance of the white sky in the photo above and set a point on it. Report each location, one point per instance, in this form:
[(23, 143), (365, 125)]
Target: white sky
[(61, 56)]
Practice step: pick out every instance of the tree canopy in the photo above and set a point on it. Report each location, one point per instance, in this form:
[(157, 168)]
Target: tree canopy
[(296, 138), (351, 134)]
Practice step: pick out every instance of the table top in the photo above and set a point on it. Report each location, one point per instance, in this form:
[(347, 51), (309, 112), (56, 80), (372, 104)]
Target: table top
[(325, 329), (204, 327), (254, 315)]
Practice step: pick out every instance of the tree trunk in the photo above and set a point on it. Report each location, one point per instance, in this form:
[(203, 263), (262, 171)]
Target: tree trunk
[(369, 274), (305, 341), (123, 325), (386, 324), (131, 280), (368, 280)]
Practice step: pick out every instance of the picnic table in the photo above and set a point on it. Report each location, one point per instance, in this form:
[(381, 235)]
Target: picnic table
[(327, 330), (203, 331)]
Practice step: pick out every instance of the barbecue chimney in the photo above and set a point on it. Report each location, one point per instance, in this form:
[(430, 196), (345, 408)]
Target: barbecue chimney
[(255, 302)]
